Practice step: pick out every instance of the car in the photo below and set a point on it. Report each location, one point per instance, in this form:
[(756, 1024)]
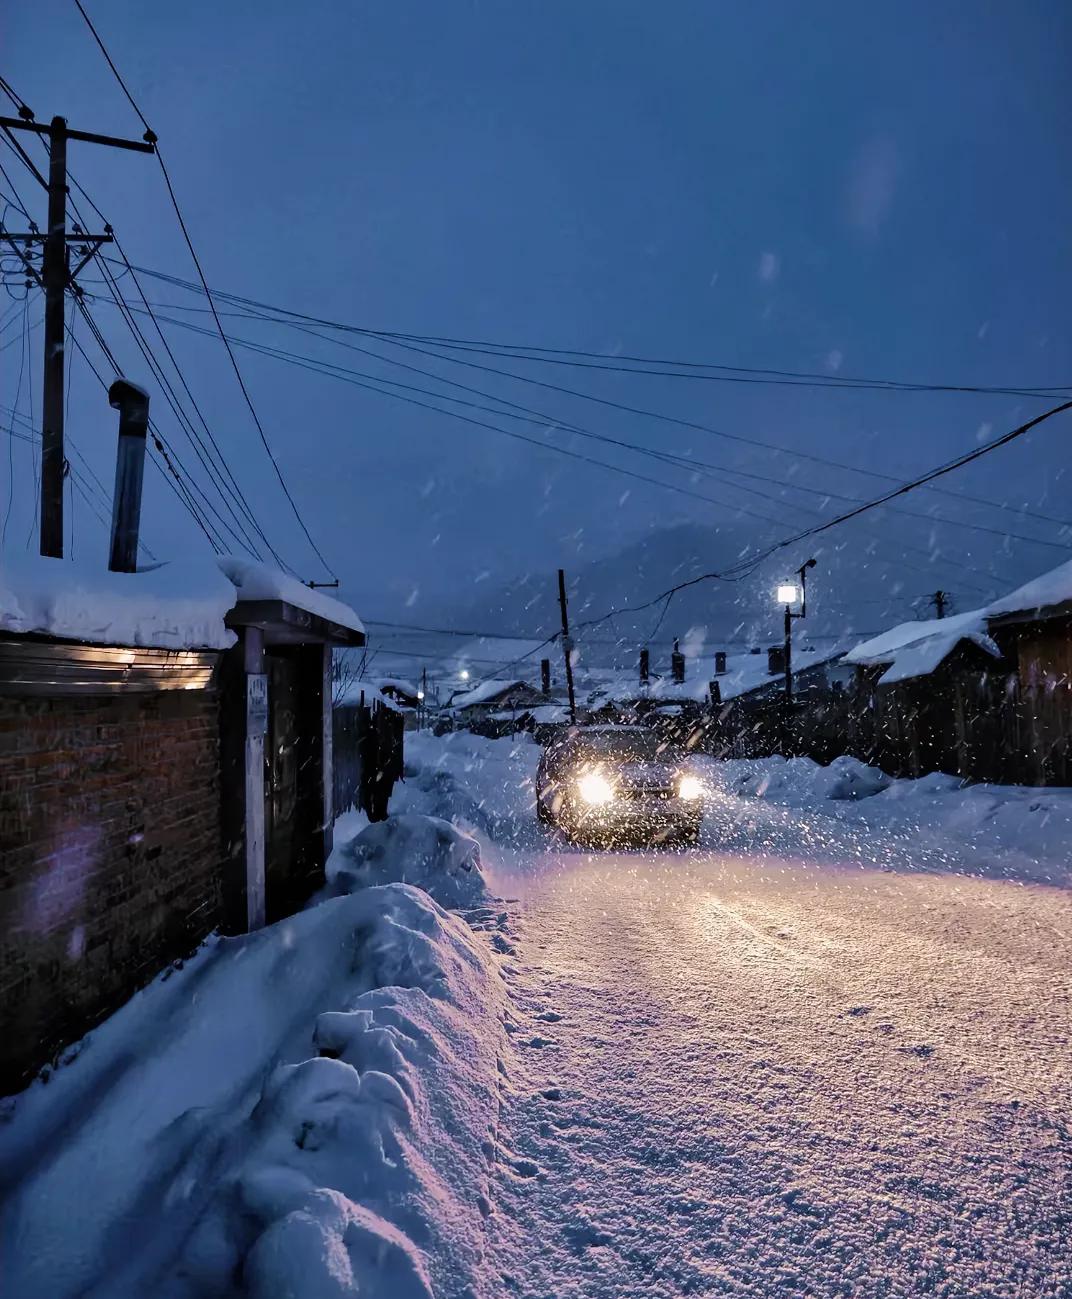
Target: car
[(618, 782)]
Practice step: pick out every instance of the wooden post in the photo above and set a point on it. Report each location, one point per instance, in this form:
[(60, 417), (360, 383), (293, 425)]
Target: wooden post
[(327, 756), (256, 726)]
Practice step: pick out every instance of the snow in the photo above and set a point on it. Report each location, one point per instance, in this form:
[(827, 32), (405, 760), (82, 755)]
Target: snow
[(173, 606), (255, 581), (199, 1144), (1052, 588), (420, 850), (914, 649), (824, 1054)]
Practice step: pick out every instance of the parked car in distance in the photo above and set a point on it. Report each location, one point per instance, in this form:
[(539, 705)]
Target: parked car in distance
[(618, 782)]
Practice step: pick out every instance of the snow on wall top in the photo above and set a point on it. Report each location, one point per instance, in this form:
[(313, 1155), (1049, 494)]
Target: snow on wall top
[(255, 581), (1054, 587), (916, 649), (173, 606)]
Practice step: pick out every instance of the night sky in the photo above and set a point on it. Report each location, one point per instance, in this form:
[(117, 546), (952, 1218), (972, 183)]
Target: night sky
[(876, 190)]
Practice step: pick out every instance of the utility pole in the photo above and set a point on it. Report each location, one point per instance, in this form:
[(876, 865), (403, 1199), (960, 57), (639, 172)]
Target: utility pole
[(422, 702), (54, 278), (940, 599), (567, 646)]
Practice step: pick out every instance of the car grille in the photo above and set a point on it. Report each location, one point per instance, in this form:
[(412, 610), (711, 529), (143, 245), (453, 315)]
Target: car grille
[(647, 791)]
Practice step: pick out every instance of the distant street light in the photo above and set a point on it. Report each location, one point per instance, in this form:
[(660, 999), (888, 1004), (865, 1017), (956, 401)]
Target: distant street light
[(789, 593), (420, 694), (464, 674)]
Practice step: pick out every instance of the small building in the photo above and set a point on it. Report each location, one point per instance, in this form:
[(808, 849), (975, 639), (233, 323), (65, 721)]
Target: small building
[(494, 696), (165, 771)]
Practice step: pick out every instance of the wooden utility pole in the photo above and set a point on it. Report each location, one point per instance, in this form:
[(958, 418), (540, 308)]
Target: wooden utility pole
[(940, 599), (54, 278), (567, 646)]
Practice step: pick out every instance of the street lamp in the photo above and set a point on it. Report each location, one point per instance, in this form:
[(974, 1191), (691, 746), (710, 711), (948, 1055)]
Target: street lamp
[(464, 674), (787, 594)]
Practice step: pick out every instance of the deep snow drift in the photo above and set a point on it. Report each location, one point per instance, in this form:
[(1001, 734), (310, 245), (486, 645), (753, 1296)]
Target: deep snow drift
[(305, 1111)]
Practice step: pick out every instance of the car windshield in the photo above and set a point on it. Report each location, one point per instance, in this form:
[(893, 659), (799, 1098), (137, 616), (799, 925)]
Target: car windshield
[(623, 746)]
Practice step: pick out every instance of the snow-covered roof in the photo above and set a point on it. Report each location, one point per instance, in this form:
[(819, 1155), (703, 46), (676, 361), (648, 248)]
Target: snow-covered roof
[(398, 685), (180, 605), (1045, 592), (255, 581), (916, 649), (744, 673), (485, 692)]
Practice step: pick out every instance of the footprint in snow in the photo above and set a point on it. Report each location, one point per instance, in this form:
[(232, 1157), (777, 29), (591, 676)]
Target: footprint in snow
[(856, 1011), (552, 1094), (549, 1016), (525, 1167), (538, 1041), (922, 1049)]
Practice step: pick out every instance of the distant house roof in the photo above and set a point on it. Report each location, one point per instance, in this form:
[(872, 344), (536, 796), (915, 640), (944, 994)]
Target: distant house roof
[(916, 649), (488, 692), (1047, 596), (744, 673)]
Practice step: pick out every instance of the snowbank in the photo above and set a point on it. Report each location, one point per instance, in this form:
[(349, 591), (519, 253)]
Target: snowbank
[(1001, 831), (304, 1111), (255, 581), (174, 606), (792, 779), (412, 849)]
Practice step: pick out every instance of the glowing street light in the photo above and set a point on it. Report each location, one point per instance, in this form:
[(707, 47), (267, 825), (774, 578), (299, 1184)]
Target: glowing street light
[(464, 674), (788, 593)]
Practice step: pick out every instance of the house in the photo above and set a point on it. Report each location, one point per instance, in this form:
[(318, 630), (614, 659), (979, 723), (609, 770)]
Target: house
[(1032, 626), (165, 771), (911, 684), (494, 696)]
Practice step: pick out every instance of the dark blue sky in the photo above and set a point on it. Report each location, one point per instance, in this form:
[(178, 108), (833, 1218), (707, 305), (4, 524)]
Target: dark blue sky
[(877, 189)]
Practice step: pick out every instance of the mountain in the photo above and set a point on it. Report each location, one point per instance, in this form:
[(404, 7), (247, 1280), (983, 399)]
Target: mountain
[(862, 582)]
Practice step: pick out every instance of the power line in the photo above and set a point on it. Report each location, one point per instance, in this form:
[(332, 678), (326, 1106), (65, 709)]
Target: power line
[(397, 339), (151, 137)]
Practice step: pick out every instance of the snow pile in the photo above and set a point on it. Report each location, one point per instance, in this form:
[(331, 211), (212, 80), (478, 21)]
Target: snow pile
[(412, 849), (305, 1111), (795, 779), (255, 581), (1052, 588), (915, 649), (173, 606)]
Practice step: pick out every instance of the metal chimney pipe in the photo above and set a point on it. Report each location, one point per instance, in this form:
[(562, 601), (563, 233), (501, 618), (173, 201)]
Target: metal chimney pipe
[(677, 664), (645, 667), (132, 403), (545, 676)]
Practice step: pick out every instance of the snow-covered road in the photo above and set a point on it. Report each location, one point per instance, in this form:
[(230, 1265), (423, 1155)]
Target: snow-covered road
[(825, 1055), (735, 1082)]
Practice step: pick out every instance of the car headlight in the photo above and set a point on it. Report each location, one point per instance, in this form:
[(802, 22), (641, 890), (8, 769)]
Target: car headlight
[(595, 788), (689, 787)]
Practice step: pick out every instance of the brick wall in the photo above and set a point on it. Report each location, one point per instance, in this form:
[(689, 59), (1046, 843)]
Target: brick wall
[(110, 857)]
